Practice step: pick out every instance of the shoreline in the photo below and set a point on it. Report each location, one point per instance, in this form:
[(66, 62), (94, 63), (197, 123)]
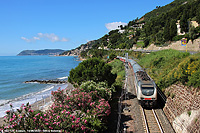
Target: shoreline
[(42, 105)]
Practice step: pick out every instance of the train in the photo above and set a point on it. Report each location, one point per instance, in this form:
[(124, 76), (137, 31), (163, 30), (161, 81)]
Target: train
[(145, 87)]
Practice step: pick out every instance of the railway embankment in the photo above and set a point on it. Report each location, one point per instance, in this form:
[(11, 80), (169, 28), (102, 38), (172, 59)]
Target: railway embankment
[(182, 108)]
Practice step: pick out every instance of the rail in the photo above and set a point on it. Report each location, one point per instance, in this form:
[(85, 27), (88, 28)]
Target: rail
[(151, 121)]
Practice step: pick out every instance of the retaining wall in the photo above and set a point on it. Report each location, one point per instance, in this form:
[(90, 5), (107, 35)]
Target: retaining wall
[(183, 108)]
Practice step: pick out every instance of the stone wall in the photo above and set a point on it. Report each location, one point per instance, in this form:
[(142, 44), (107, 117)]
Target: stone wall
[(183, 108), (195, 46)]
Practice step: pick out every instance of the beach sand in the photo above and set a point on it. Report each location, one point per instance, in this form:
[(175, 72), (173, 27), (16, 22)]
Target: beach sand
[(42, 105)]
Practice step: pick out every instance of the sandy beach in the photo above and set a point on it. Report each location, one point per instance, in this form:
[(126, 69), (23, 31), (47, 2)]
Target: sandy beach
[(42, 105)]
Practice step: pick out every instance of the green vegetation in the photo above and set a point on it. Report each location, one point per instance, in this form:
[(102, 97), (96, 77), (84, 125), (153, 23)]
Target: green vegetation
[(189, 113), (118, 69), (173, 95), (101, 88), (84, 110), (158, 26), (42, 52), (100, 53), (159, 10), (92, 69), (169, 66)]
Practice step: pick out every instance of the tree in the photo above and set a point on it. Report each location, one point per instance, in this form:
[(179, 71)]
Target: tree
[(192, 33), (112, 56), (184, 22), (198, 15), (173, 28), (92, 69), (146, 41), (147, 29), (159, 38), (166, 32)]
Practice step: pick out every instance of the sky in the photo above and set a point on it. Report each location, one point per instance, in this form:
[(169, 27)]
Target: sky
[(64, 24)]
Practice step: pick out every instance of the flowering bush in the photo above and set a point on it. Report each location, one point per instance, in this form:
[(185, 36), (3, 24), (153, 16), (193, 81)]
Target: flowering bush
[(79, 112), (101, 88), (20, 119), (89, 103)]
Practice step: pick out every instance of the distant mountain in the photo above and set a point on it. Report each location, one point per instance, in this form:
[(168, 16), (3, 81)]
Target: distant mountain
[(41, 52)]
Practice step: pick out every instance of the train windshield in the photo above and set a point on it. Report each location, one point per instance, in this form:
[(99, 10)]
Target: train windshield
[(147, 90)]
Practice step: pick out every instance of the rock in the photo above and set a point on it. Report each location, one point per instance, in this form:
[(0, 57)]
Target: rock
[(47, 81)]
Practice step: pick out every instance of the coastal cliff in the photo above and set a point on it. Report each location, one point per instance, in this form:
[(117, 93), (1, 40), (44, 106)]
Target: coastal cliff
[(41, 52)]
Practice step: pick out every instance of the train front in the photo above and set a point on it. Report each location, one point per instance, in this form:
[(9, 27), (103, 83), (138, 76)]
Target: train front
[(148, 94)]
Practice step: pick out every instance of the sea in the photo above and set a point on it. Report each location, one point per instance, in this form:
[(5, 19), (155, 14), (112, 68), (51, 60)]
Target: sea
[(14, 70)]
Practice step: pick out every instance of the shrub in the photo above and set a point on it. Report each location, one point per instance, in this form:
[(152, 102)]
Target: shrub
[(92, 69), (101, 88), (189, 113), (79, 112), (194, 79)]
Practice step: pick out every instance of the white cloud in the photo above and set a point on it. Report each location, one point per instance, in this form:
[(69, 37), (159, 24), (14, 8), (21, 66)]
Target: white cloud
[(64, 40), (25, 39), (114, 25), (50, 37), (36, 38)]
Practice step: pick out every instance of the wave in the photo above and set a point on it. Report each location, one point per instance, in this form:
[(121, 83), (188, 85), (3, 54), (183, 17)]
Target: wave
[(66, 77), (31, 98)]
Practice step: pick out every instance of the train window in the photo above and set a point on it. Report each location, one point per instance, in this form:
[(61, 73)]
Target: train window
[(147, 91)]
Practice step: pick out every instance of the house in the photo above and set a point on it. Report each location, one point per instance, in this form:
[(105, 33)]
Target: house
[(190, 23)]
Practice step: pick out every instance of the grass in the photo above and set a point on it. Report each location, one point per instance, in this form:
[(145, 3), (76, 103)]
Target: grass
[(140, 44), (169, 66)]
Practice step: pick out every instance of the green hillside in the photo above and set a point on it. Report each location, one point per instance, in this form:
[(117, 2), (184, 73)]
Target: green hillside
[(169, 66), (158, 27), (159, 10), (41, 52)]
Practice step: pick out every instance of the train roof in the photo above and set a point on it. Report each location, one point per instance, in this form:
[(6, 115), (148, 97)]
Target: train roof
[(135, 65)]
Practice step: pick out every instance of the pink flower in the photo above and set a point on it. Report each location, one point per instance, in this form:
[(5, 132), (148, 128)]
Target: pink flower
[(37, 114), (72, 126), (45, 119), (45, 115), (82, 127), (85, 121), (14, 115), (58, 117), (68, 112), (46, 123), (50, 127)]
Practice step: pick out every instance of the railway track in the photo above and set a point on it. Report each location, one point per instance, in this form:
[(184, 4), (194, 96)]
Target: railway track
[(151, 121)]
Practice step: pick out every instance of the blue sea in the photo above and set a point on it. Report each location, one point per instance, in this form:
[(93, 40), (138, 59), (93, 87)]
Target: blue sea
[(14, 70)]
